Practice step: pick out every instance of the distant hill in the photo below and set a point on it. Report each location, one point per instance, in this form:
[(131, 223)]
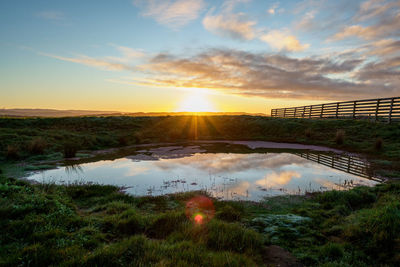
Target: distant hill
[(73, 113)]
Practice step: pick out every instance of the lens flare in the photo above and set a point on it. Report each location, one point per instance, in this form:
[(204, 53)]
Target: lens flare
[(200, 209), (198, 219)]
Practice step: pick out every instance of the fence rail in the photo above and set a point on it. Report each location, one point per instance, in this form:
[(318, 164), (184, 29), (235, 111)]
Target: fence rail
[(379, 109)]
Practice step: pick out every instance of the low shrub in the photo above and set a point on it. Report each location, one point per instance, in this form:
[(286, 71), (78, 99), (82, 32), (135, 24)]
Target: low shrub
[(12, 152), (339, 138), (378, 143), (308, 132), (123, 140), (70, 150), (37, 146)]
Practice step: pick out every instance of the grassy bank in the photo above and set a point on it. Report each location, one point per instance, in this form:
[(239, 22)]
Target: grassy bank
[(21, 138), (93, 225)]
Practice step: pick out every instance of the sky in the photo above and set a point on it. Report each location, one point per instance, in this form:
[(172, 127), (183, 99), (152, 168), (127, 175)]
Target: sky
[(196, 55)]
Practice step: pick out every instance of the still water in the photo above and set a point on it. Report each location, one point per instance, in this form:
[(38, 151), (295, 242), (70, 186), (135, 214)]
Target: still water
[(224, 175)]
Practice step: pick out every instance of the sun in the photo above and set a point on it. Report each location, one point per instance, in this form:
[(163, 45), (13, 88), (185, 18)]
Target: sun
[(196, 101)]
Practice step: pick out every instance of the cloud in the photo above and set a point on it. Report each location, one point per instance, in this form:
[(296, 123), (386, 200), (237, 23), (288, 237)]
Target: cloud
[(272, 9), (307, 21), (277, 179), (216, 163), (127, 54), (174, 14), (382, 20), (230, 25), (383, 71), (385, 47), (51, 15), (366, 71), (262, 75), (281, 40), (92, 62), (374, 8)]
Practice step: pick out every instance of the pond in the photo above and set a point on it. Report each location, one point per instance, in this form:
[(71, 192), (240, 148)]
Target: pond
[(225, 175)]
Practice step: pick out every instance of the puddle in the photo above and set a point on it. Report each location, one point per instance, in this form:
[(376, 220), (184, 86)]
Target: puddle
[(229, 176)]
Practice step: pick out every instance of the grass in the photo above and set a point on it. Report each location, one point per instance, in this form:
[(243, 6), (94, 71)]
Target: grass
[(97, 225), (48, 135), (81, 224)]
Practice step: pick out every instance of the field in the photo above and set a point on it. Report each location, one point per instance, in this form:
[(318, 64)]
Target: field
[(84, 224)]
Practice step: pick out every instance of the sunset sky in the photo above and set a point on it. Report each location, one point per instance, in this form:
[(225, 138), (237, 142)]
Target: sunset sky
[(196, 55)]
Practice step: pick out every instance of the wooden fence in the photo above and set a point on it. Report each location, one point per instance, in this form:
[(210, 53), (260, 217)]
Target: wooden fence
[(350, 164), (380, 109)]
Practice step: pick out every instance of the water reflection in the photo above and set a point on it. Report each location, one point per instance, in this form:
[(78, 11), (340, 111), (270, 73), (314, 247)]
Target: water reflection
[(73, 169), (347, 163), (223, 175)]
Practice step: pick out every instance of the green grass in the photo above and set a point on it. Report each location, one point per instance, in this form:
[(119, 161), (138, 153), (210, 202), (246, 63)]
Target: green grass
[(35, 136), (95, 225)]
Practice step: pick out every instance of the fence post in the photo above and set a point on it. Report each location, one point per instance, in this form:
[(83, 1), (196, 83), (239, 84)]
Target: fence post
[(295, 111), (348, 164), (354, 109), (304, 109), (377, 109), (309, 115), (391, 110), (322, 111), (337, 110), (284, 112)]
